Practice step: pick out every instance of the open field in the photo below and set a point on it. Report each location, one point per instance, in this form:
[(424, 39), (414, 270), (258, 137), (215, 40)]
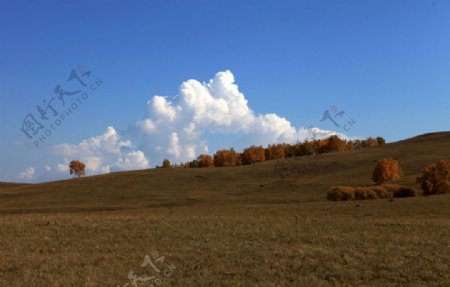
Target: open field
[(263, 225)]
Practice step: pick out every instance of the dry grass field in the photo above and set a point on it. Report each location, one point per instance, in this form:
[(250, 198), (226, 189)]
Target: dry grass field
[(268, 224)]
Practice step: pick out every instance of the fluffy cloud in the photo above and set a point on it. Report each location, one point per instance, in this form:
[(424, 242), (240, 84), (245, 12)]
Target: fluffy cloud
[(179, 128), (176, 128), (132, 160), (27, 174), (102, 154)]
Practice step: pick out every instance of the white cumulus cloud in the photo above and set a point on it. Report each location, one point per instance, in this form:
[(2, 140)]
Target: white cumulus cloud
[(176, 128), (27, 174), (102, 154)]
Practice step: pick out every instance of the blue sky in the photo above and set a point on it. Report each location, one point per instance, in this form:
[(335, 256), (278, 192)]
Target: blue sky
[(385, 64)]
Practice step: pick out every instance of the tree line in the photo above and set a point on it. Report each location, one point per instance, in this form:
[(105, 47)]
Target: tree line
[(255, 154)]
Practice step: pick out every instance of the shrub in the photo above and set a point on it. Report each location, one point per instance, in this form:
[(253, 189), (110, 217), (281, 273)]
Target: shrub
[(370, 192), (435, 178), (405, 192), (383, 191), (341, 193), (361, 193), (386, 170)]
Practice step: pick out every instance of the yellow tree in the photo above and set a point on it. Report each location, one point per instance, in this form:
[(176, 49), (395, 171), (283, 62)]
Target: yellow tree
[(385, 170)]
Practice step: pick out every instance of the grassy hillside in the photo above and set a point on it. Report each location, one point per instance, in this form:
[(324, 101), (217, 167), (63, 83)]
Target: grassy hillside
[(263, 225), (295, 180)]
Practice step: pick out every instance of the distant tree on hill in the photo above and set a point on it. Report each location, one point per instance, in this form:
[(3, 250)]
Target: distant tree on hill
[(435, 178), (193, 164), (371, 142), (306, 148), (205, 160), (226, 158), (77, 168), (166, 163), (276, 151), (386, 170), (381, 141), (252, 155), (333, 143)]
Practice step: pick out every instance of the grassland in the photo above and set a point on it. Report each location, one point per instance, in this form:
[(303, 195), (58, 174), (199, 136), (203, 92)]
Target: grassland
[(263, 225)]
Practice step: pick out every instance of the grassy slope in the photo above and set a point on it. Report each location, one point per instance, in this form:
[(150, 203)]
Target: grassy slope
[(295, 180), (262, 225)]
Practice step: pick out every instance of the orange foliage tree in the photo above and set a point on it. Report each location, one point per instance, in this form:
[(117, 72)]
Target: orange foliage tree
[(333, 143), (205, 160), (226, 158), (436, 178), (77, 168), (386, 169), (276, 151), (253, 155)]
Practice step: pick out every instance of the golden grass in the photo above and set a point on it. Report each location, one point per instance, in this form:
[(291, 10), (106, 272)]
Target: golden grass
[(264, 225)]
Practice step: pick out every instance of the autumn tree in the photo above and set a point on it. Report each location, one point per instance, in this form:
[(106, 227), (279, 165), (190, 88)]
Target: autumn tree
[(436, 178), (291, 150), (193, 164), (253, 155), (381, 141), (275, 151), (77, 168), (166, 163), (319, 145), (226, 158), (333, 143), (371, 142), (205, 160), (385, 170), (306, 148)]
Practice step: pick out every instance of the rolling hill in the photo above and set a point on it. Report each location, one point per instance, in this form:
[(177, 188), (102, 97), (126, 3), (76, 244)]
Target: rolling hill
[(267, 224), (302, 180)]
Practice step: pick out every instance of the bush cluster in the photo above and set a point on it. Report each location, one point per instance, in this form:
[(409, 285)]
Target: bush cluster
[(337, 193)]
